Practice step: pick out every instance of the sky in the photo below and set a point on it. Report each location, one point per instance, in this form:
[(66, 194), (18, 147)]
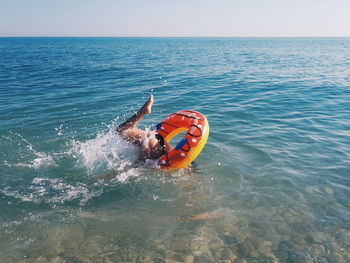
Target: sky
[(176, 18)]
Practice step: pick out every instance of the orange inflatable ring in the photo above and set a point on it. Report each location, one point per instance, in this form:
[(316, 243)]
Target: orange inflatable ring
[(197, 131)]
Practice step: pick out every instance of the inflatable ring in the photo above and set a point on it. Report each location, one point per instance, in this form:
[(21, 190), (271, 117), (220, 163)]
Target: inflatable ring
[(197, 131)]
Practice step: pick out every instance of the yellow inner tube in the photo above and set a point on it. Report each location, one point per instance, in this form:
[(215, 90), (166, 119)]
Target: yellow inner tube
[(187, 150)]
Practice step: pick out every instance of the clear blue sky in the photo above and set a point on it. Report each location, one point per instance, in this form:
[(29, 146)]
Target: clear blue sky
[(175, 18)]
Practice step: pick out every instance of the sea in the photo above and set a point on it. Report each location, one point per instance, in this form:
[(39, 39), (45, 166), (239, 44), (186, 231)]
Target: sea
[(271, 185)]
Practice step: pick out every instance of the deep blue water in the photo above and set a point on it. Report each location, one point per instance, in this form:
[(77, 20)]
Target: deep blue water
[(271, 185)]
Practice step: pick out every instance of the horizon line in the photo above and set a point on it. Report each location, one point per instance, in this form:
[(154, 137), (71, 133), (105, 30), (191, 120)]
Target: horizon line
[(91, 36)]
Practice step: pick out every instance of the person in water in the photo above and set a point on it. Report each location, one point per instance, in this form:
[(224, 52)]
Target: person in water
[(152, 145)]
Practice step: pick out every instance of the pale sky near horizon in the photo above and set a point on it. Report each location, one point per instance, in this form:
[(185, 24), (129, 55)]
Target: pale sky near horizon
[(183, 18)]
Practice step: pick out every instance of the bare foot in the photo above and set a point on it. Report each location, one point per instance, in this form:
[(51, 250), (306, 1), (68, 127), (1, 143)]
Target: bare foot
[(147, 107)]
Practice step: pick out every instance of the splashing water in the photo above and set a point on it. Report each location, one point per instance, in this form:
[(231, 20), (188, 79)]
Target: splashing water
[(36, 158), (107, 151)]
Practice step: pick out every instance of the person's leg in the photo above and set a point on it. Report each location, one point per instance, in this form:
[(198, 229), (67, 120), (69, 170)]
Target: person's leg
[(128, 129)]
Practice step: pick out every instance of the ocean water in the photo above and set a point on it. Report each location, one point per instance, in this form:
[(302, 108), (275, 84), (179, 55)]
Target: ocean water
[(271, 185)]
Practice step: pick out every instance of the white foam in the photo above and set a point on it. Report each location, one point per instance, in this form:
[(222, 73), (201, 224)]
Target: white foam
[(106, 150), (52, 191), (43, 160), (124, 176), (40, 159)]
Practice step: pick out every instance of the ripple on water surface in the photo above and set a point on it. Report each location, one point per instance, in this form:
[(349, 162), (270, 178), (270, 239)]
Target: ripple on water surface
[(272, 184)]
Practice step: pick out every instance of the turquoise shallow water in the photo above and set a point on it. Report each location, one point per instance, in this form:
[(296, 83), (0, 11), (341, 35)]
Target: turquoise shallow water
[(272, 184)]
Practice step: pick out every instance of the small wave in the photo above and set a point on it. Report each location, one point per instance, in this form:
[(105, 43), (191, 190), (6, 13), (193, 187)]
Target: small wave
[(38, 159), (41, 162), (52, 191), (123, 177)]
